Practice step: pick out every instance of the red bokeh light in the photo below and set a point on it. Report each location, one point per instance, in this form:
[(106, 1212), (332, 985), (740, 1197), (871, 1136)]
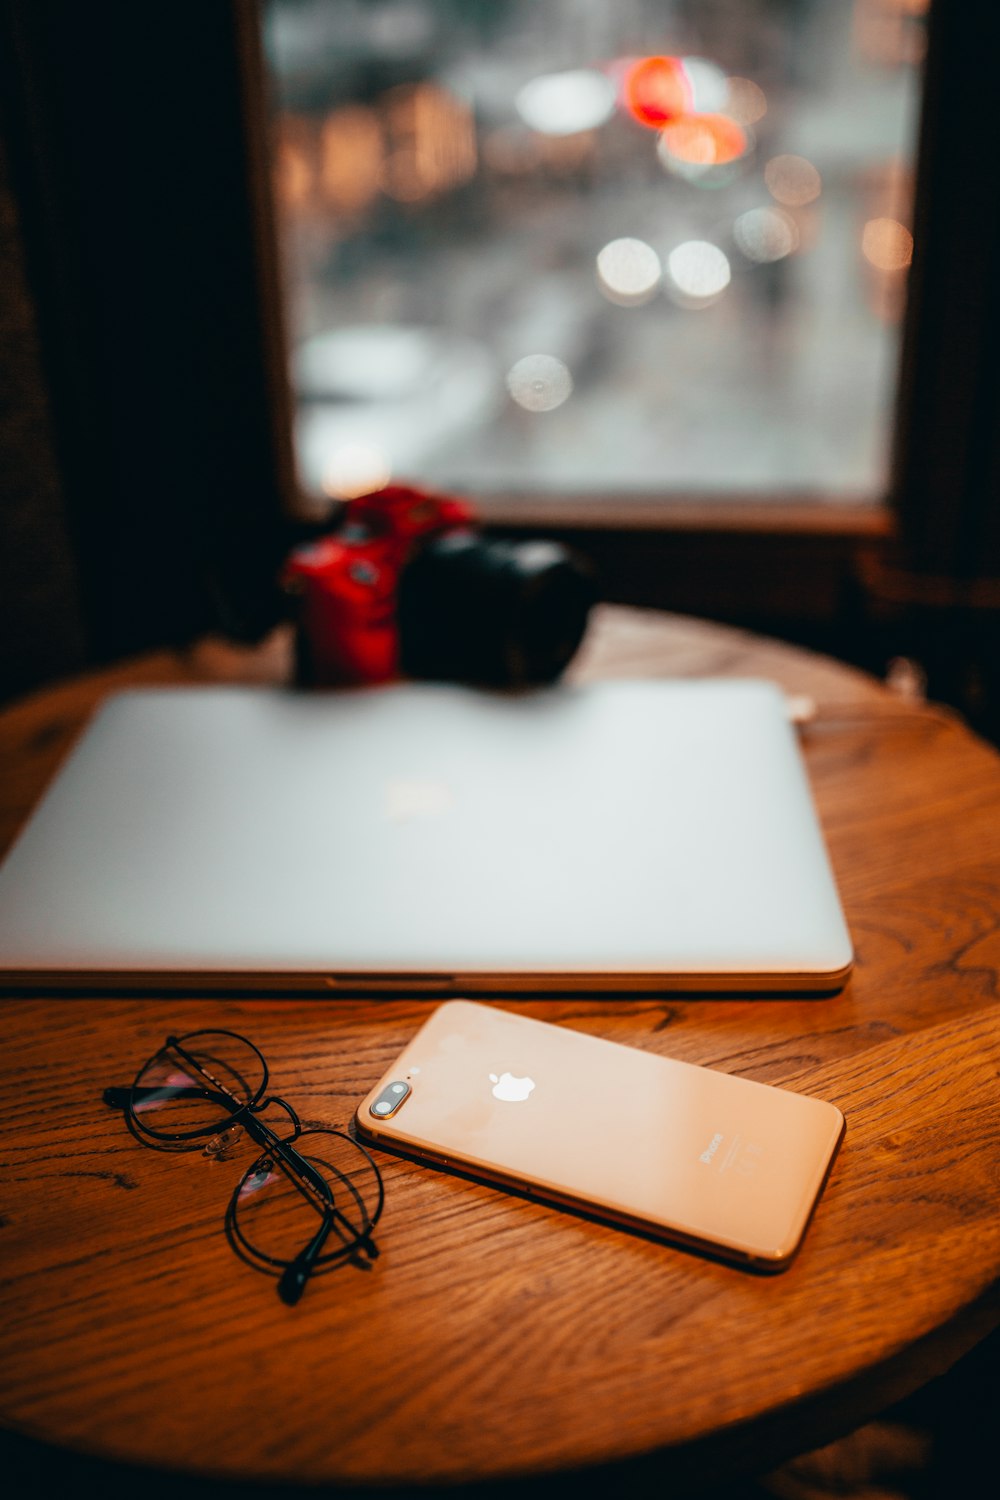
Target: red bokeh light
[(656, 90)]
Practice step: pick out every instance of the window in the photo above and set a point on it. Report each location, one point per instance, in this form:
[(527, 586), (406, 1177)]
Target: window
[(542, 250)]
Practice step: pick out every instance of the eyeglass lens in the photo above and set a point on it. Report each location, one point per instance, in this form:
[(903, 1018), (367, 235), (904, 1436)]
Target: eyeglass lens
[(194, 1085), (273, 1216)]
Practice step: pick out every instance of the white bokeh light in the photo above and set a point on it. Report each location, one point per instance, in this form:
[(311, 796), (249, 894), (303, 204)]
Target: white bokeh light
[(539, 382), (709, 84), (766, 234), (699, 270), (565, 103), (628, 271), (355, 469)]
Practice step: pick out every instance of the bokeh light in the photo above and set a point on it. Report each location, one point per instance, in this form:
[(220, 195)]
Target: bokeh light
[(703, 140), (350, 157), (539, 382), (792, 180), (655, 90), (766, 234), (708, 84), (434, 142), (564, 103), (887, 245), (294, 163), (628, 272), (745, 102), (699, 271), (355, 469)]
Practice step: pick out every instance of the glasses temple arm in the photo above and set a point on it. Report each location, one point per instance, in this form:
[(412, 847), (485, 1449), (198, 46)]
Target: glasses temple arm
[(292, 1282)]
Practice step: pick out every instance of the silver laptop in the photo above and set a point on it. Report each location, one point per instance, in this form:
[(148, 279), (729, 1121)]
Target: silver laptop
[(425, 838)]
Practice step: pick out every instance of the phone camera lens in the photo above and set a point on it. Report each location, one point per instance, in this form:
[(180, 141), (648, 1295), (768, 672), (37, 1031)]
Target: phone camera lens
[(392, 1096)]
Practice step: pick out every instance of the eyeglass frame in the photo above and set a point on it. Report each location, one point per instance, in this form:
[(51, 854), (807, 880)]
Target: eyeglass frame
[(294, 1274)]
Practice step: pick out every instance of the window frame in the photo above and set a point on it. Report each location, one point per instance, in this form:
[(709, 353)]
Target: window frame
[(708, 553)]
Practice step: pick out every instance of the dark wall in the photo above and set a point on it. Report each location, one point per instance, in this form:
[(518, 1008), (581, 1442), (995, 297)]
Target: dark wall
[(41, 626), (132, 228)]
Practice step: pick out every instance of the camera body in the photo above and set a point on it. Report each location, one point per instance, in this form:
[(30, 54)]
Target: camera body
[(404, 583), (347, 582)]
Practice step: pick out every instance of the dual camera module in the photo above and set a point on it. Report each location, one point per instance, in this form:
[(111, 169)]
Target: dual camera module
[(389, 1100)]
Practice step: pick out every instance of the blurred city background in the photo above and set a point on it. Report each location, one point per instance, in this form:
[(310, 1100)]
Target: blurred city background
[(604, 248)]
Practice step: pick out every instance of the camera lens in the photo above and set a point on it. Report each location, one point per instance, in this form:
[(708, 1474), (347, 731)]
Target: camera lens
[(501, 613), (389, 1099)]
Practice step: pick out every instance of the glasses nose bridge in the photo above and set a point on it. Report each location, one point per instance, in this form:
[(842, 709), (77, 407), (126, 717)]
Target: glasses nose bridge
[(258, 1107)]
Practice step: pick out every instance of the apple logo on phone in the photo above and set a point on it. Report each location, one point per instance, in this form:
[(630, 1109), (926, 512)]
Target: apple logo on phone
[(510, 1089)]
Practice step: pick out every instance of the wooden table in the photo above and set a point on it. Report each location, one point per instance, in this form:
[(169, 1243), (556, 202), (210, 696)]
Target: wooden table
[(498, 1337)]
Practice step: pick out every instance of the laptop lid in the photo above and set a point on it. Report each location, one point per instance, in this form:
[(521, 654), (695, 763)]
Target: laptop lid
[(634, 836)]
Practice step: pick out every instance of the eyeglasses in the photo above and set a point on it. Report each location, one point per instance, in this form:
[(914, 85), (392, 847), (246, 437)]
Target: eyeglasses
[(201, 1091)]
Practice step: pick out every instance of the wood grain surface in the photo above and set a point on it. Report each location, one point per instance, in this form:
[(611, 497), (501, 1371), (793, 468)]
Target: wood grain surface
[(496, 1337)]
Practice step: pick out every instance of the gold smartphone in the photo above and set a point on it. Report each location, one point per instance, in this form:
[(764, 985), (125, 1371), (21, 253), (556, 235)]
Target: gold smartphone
[(695, 1156)]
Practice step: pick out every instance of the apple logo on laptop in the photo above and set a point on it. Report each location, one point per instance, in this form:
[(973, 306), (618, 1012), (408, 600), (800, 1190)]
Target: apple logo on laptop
[(510, 1089), (410, 799)]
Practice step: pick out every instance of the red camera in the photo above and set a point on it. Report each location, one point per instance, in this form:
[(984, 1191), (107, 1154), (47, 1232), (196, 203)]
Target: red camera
[(347, 582), (405, 583)]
